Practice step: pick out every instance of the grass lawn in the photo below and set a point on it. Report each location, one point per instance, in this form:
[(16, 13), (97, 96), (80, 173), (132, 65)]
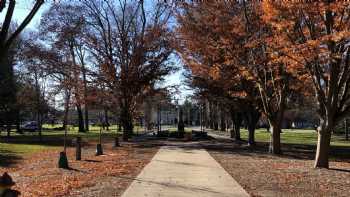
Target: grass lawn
[(174, 129), (22, 149), (52, 139), (28, 143), (296, 136)]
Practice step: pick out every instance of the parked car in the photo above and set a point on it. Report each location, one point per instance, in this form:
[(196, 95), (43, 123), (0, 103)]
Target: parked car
[(31, 126)]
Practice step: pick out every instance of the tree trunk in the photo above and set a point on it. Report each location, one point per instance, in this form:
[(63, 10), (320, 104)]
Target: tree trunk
[(39, 121), (86, 110), (252, 118), (80, 119), (78, 149), (251, 135), (126, 122), (18, 122), (222, 121), (181, 125), (86, 113), (66, 110), (275, 139), (346, 130), (8, 90), (238, 131), (216, 125), (323, 145), (237, 122), (8, 128), (148, 115), (106, 118), (38, 102), (211, 116), (232, 133)]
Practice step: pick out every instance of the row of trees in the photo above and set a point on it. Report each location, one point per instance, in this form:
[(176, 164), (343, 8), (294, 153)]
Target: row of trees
[(89, 53), (9, 47), (270, 55), (256, 57)]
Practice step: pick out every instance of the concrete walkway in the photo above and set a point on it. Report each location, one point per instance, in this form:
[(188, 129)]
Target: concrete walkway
[(180, 170)]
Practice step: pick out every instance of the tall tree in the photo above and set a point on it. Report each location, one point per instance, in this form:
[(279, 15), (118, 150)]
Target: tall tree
[(63, 26), (316, 37), (131, 49), (8, 36), (211, 35)]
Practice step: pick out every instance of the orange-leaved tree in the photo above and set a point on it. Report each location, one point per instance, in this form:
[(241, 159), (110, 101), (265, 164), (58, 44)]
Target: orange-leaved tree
[(315, 35), (233, 39)]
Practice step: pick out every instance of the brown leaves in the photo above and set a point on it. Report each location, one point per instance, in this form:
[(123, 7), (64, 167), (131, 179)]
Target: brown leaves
[(38, 175), (266, 175)]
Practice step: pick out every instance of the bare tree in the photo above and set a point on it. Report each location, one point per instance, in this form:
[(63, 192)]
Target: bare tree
[(131, 49), (63, 26)]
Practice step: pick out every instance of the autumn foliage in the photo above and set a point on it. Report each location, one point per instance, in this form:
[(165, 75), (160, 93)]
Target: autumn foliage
[(277, 46)]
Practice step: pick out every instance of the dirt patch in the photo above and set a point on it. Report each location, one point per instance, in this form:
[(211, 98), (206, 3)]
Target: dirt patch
[(291, 174), (38, 175)]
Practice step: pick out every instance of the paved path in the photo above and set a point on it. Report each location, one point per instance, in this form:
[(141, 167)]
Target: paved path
[(180, 170)]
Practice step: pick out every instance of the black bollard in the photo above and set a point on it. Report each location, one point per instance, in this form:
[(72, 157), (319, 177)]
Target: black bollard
[(78, 149), (63, 161), (116, 142), (99, 150)]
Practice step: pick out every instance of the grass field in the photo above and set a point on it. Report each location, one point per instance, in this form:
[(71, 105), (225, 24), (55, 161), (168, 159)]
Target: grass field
[(288, 136), (29, 142)]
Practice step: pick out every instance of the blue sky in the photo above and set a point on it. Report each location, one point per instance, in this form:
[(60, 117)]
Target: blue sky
[(24, 6)]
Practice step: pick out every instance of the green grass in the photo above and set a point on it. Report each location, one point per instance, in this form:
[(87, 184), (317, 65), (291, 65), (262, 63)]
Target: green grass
[(73, 132), (28, 143), (23, 149), (307, 137), (174, 129)]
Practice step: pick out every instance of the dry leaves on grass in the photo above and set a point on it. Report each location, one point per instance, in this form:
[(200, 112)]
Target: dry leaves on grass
[(38, 174)]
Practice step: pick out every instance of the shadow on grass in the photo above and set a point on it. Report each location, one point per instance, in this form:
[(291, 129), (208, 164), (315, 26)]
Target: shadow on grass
[(291, 151), (8, 159), (34, 140), (54, 140)]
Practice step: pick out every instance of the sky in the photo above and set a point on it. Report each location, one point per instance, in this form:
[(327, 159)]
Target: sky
[(22, 9)]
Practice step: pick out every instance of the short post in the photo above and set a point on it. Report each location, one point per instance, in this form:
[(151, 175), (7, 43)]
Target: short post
[(116, 142), (78, 149), (63, 161), (99, 150)]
